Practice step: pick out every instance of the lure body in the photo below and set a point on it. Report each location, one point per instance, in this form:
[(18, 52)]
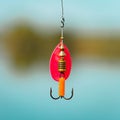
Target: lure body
[(60, 68), (54, 63)]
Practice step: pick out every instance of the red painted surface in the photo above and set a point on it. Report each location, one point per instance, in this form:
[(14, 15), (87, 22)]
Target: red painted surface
[(54, 63)]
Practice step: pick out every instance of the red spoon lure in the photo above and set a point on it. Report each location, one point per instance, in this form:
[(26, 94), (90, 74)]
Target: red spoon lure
[(60, 62)]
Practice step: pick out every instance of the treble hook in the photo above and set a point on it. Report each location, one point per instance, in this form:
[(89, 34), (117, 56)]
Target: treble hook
[(61, 96), (61, 91)]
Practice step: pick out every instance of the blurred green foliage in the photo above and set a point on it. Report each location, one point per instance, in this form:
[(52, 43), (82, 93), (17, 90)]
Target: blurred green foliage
[(23, 45), (27, 45), (105, 47)]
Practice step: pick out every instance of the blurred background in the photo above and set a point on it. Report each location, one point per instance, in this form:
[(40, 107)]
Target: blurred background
[(30, 30)]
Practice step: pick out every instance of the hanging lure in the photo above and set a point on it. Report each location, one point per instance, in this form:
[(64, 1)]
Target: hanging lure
[(60, 64)]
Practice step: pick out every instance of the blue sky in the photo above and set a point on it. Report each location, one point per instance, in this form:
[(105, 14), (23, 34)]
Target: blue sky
[(78, 13)]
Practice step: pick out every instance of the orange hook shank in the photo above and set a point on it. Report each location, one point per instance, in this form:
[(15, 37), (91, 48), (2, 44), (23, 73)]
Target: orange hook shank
[(61, 86)]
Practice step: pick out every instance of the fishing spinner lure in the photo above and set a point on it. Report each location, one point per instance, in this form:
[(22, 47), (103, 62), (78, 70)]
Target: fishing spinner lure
[(61, 63)]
